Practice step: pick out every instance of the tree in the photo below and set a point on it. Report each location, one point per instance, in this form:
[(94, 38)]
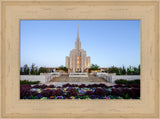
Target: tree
[(33, 69), (26, 69), (63, 68), (21, 73), (120, 71), (94, 67), (43, 70), (36, 71), (133, 70), (139, 69), (123, 71), (114, 70), (129, 70)]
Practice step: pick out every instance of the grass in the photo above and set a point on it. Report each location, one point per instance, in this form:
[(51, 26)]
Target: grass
[(29, 82)]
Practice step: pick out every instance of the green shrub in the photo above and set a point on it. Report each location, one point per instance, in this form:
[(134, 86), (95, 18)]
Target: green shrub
[(123, 81), (137, 81), (29, 82)]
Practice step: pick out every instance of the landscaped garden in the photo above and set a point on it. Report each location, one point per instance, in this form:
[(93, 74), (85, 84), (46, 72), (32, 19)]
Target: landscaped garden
[(128, 90)]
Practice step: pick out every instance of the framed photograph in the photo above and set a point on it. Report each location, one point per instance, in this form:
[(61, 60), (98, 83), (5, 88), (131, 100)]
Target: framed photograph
[(80, 59), (108, 73)]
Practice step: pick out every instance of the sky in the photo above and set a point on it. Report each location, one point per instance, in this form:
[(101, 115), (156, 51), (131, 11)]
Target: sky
[(109, 43)]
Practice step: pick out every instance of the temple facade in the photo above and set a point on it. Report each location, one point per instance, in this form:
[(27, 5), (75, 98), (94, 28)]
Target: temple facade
[(77, 61)]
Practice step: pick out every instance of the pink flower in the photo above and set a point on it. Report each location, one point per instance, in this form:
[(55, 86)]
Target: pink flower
[(107, 98)]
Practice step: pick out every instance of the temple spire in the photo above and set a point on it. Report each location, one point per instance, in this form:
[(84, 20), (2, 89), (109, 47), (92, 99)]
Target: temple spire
[(78, 42), (77, 31)]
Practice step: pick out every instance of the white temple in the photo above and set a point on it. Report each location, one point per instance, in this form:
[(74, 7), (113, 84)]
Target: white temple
[(77, 60)]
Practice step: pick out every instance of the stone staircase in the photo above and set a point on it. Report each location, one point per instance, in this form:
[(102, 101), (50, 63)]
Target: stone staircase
[(77, 79)]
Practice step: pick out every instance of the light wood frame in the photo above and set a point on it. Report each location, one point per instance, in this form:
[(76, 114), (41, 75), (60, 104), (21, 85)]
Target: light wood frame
[(12, 11)]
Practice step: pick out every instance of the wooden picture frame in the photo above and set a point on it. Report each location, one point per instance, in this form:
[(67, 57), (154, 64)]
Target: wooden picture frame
[(12, 11)]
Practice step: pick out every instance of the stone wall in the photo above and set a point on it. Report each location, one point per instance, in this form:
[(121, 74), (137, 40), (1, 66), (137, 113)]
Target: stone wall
[(40, 78), (43, 77), (126, 77), (113, 77), (55, 74)]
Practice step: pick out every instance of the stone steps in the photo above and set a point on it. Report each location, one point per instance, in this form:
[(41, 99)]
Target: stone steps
[(78, 79)]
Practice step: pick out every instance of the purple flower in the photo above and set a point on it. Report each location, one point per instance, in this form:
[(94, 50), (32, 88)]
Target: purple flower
[(59, 97), (107, 97), (82, 91)]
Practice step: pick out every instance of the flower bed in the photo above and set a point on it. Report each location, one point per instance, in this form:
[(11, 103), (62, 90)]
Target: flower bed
[(74, 91)]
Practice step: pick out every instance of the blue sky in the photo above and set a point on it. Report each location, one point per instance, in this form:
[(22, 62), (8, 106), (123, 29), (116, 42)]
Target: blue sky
[(107, 42)]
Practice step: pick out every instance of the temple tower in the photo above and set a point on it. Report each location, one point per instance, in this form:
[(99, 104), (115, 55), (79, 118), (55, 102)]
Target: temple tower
[(77, 61)]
